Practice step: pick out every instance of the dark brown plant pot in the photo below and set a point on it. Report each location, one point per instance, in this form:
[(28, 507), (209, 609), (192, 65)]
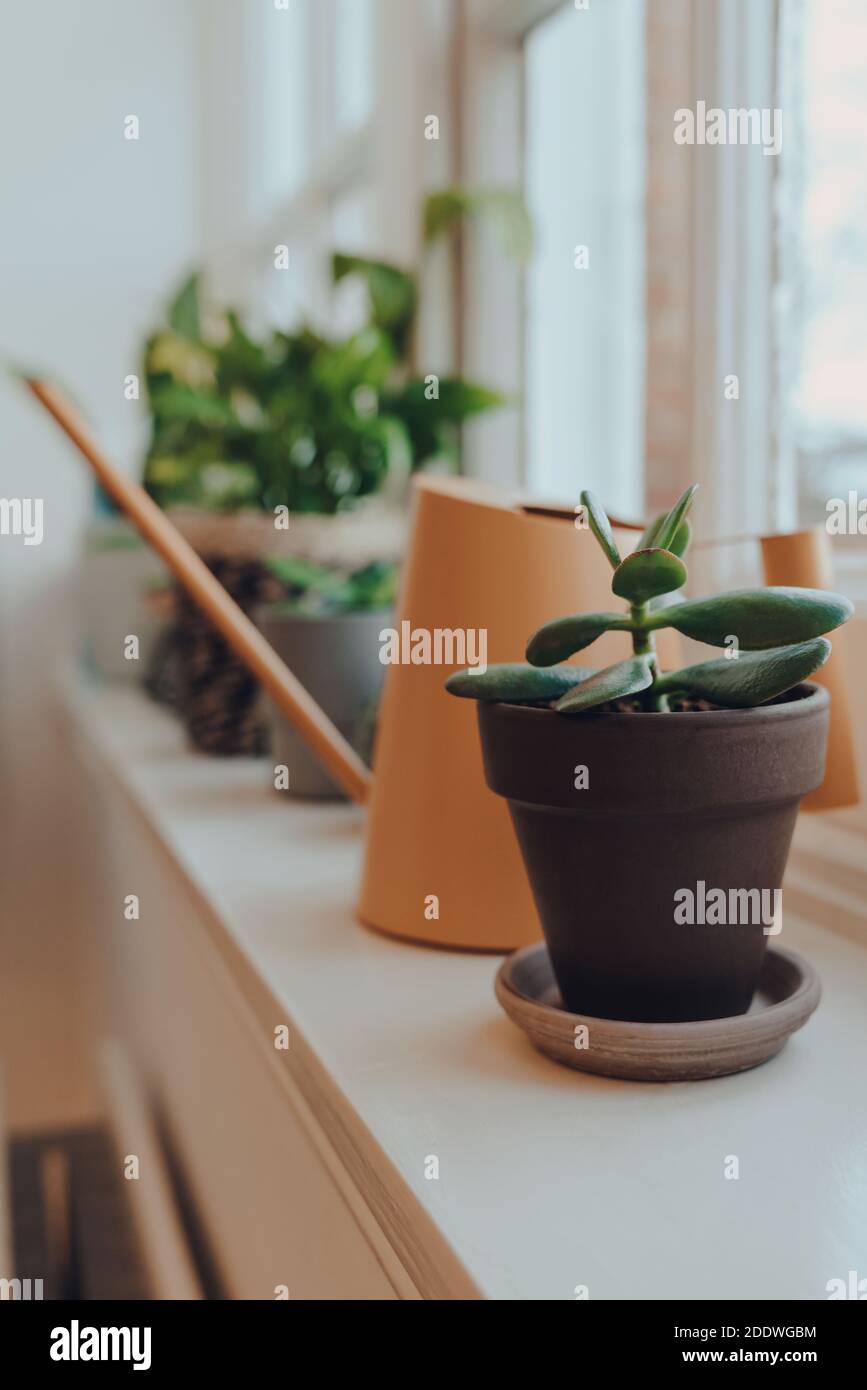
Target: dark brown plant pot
[(673, 800)]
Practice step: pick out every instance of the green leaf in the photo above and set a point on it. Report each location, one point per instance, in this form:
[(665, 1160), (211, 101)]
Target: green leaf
[(758, 618), (173, 401), (432, 423), (184, 310), (503, 208), (600, 526), (749, 679), (459, 399), (682, 537), (648, 536), (669, 528), (456, 401), (316, 589), (560, 639), (645, 574), (241, 361), (613, 683), (515, 682), (392, 291), (364, 359), (298, 573)]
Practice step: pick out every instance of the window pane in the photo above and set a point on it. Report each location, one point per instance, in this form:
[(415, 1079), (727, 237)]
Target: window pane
[(585, 187), (350, 231), (286, 95), (353, 62), (831, 395)]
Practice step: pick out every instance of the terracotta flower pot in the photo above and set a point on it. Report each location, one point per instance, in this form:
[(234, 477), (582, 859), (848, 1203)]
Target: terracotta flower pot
[(676, 805)]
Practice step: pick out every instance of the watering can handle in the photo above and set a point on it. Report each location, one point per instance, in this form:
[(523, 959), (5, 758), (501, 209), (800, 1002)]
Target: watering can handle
[(324, 740)]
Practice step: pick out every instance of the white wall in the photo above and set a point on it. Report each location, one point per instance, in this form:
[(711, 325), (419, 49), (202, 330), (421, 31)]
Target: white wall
[(95, 230)]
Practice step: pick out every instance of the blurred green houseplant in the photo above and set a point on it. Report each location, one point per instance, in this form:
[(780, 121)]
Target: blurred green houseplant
[(300, 419)]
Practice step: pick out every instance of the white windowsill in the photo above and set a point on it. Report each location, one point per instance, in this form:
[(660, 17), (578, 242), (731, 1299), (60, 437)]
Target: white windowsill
[(548, 1180)]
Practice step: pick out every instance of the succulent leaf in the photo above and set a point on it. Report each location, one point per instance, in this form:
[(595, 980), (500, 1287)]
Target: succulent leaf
[(751, 678), (758, 618), (600, 526), (645, 574), (648, 536), (613, 683), (515, 682), (560, 639), (682, 537), (669, 528)]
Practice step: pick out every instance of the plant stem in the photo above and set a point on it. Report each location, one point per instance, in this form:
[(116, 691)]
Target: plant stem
[(644, 644)]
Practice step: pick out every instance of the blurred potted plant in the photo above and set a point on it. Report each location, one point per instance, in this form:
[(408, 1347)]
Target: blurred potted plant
[(298, 445), (326, 627)]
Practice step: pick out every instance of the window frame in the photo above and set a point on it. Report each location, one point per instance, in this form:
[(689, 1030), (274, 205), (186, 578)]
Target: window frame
[(413, 59), (743, 464), (464, 62)]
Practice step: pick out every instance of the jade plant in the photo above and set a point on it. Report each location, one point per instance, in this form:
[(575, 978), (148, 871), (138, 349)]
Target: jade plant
[(773, 637)]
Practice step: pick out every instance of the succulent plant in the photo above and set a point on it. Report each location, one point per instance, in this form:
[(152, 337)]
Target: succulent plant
[(773, 637)]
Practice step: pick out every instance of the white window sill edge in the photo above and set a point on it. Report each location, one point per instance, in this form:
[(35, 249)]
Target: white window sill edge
[(548, 1180)]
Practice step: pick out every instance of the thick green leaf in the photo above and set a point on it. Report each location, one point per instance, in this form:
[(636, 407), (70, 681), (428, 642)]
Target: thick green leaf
[(600, 526), (613, 683), (184, 311), (645, 574), (515, 682), (560, 639), (751, 678), (648, 537), (682, 537), (758, 618), (503, 208), (669, 528), (678, 546)]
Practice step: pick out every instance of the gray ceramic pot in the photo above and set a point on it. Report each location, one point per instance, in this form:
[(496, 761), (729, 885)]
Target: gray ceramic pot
[(336, 659), (675, 805)]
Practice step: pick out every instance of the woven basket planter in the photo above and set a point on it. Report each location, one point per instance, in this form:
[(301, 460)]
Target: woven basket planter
[(194, 669)]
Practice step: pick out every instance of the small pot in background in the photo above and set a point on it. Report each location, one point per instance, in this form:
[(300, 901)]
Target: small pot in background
[(336, 658), (197, 672), (122, 581)]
